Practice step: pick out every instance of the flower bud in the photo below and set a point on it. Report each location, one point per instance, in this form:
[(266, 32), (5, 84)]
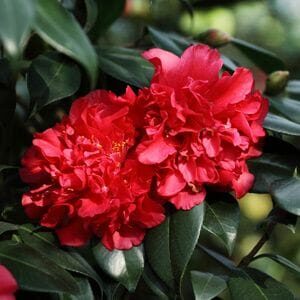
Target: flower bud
[(276, 82), (214, 37)]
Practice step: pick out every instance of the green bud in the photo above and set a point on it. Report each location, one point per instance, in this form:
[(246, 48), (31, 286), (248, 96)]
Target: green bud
[(214, 38), (277, 82)]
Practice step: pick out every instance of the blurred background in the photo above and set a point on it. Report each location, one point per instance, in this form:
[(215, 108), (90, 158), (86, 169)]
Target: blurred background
[(271, 24)]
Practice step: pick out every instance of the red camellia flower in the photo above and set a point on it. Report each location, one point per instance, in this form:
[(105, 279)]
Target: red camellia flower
[(8, 284), (200, 126), (84, 179)]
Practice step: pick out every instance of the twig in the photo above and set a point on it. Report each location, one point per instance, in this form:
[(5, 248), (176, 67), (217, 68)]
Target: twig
[(249, 257)]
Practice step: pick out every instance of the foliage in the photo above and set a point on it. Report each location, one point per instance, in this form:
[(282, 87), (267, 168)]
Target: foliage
[(52, 54)]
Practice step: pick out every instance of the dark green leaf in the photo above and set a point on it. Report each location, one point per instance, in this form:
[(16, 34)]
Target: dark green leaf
[(271, 167), (206, 286), (282, 125), (293, 87), (278, 215), (4, 227), (228, 63), (91, 14), (125, 267), (286, 194), (126, 65), (281, 260), (16, 17), (170, 246), (249, 283), (69, 261), (107, 14), (35, 272), (223, 225), (169, 41), (155, 284), (6, 167), (264, 59), (52, 77), (158, 250), (85, 293), (287, 107), (221, 259), (60, 29)]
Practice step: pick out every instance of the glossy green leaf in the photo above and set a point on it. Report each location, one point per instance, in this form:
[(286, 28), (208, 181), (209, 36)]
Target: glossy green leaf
[(4, 227), (168, 41), (91, 14), (249, 283), (281, 125), (271, 167), (16, 17), (107, 14), (293, 87), (60, 29), (126, 65), (155, 284), (286, 194), (52, 77), (264, 59), (170, 246), (69, 261), (281, 260), (278, 215), (125, 266), (228, 63), (221, 259), (287, 107), (34, 271), (85, 291), (223, 225), (207, 286)]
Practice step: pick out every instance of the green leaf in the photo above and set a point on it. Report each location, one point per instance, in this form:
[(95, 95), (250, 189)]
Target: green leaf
[(223, 225), (264, 59), (4, 227), (170, 246), (287, 107), (278, 215), (286, 194), (69, 261), (60, 29), (249, 283), (125, 267), (271, 167), (91, 14), (221, 259), (281, 260), (85, 291), (155, 284), (16, 17), (107, 14), (293, 87), (207, 286), (126, 65), (158, 251), (168, 41), (228, 63), (282, 125), (7, 167), (35, 272), (52, 77)]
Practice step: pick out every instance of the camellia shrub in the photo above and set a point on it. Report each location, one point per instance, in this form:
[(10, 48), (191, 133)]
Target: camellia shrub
[(122, 167)]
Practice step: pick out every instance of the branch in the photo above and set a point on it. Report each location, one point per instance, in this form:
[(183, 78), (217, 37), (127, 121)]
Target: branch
[(248, 258)]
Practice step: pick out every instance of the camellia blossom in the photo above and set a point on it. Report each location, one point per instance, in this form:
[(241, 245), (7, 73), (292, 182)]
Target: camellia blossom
[(84, 180), (8, 284), (200, 125)]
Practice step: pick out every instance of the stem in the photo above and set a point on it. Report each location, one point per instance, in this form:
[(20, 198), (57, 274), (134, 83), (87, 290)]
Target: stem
[(249, 257)]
